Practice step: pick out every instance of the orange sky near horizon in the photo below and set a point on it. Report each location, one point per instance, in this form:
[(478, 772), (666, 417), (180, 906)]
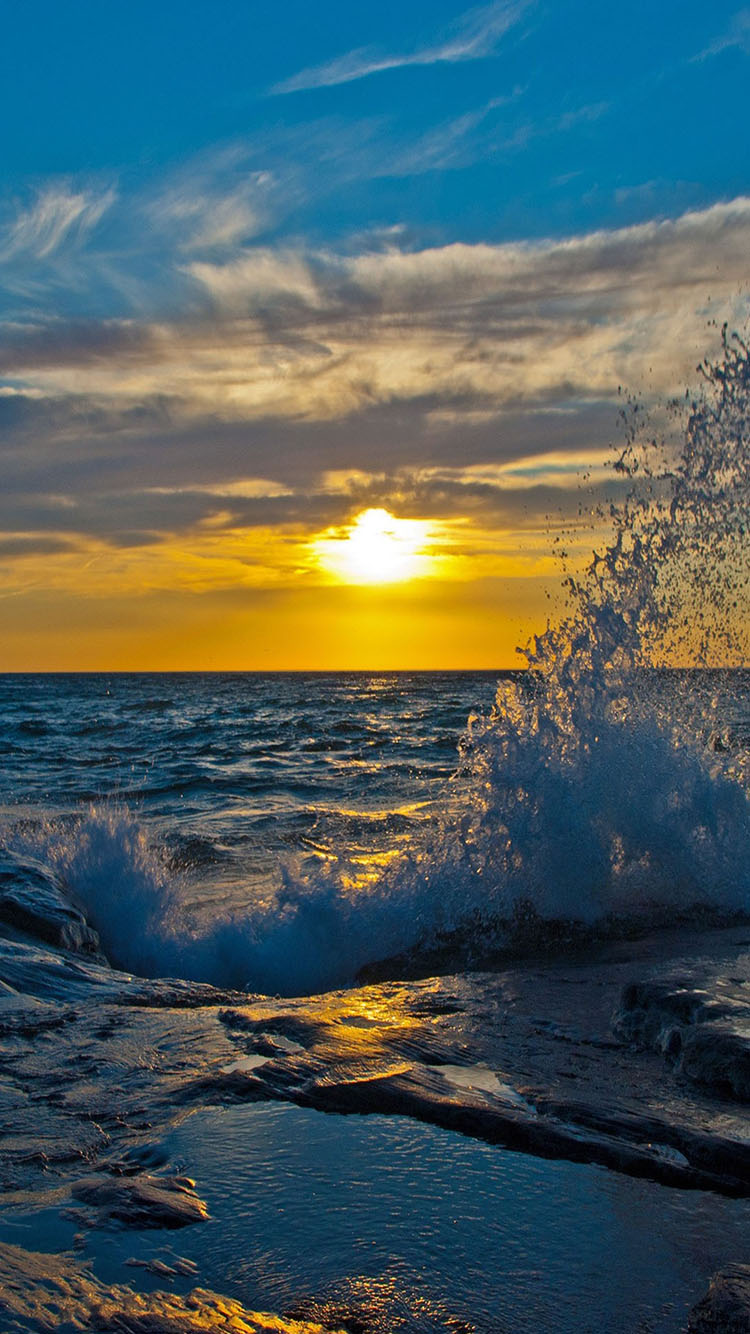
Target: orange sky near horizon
[(105, 621)]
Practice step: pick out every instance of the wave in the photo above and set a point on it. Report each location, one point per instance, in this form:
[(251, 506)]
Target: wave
[(590, 793), (308, 936), (579, 863)]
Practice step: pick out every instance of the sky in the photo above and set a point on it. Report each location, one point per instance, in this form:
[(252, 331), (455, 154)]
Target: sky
[(315, 318)]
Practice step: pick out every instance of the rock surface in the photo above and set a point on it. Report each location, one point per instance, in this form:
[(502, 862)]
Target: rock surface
[(142, 1201), (705, 1037), (725, 1309), (47, 1293)]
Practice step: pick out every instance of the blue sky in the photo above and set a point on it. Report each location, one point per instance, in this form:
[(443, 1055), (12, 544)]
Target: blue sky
[(507, 120), (262, 265)]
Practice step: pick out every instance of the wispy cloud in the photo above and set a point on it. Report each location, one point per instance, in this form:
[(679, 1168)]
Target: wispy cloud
[(475, 36), (58, 215), (454, 144), (315, 335), (474, 136), (217, 199), (76, 250), (736, 35)]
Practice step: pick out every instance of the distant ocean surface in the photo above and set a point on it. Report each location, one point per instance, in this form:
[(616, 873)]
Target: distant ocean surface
[(232, 770)]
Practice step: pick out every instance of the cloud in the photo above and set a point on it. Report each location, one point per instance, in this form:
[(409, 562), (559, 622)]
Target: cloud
[(67, 342), (319, 336), (473, 137), (33, 545), (737, 35), (79, 251), (216, 200), (59, 215), (477, 35), (450, 146)]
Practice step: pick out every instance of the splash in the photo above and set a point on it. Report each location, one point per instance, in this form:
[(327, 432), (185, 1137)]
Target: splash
[(590, 790), (672, 584), (311, 935), (105, 863), (601, 795)]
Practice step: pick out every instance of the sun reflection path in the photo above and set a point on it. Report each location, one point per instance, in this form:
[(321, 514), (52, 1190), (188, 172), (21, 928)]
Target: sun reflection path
[(377, 548)]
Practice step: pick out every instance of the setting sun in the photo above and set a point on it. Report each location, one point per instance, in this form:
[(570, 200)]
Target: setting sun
[(377, 548)]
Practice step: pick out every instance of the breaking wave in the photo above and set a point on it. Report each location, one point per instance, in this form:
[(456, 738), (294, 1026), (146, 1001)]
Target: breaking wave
[(596, 789)]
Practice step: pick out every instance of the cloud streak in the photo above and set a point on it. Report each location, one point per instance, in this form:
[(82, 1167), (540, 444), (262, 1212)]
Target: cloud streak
[(59, 215), (736, 36), (478, 34)]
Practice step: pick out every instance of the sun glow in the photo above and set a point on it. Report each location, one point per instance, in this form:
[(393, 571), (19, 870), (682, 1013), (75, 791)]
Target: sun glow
[(377, 548)]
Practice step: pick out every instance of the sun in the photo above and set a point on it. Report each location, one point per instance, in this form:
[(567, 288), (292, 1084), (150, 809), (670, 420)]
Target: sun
[(376, 548)]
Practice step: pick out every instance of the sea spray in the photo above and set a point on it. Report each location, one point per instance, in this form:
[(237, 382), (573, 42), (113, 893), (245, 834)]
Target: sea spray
[(312, 934), (105, 862), (594, 795), (594, 792)]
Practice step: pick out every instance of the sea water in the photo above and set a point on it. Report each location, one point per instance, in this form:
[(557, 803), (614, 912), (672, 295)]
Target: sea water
[(280, 832), (189, 812)]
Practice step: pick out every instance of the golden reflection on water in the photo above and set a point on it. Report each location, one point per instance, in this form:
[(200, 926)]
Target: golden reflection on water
[(365, 868)]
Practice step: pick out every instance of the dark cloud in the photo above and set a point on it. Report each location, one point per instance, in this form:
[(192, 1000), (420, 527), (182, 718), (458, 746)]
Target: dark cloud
[(33, 546), (154, 477), (71, 343)]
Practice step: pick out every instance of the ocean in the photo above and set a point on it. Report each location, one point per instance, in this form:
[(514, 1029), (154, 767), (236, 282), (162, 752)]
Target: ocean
[(396, 1001)]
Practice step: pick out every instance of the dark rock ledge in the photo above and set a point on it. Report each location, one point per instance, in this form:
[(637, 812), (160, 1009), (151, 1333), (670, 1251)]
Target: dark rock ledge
[(725, 1309), (704, 1037)]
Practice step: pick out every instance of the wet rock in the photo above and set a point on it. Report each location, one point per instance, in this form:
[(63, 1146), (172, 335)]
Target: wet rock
[(47, 1293), (26, 1017), (627, 1145), (718, 1058), (176, 1266), (35, 905), (649, 1011), (140, 1158), (174, 994), (46, 973), (143, 1201), (725, 1309), (704, 1037)]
